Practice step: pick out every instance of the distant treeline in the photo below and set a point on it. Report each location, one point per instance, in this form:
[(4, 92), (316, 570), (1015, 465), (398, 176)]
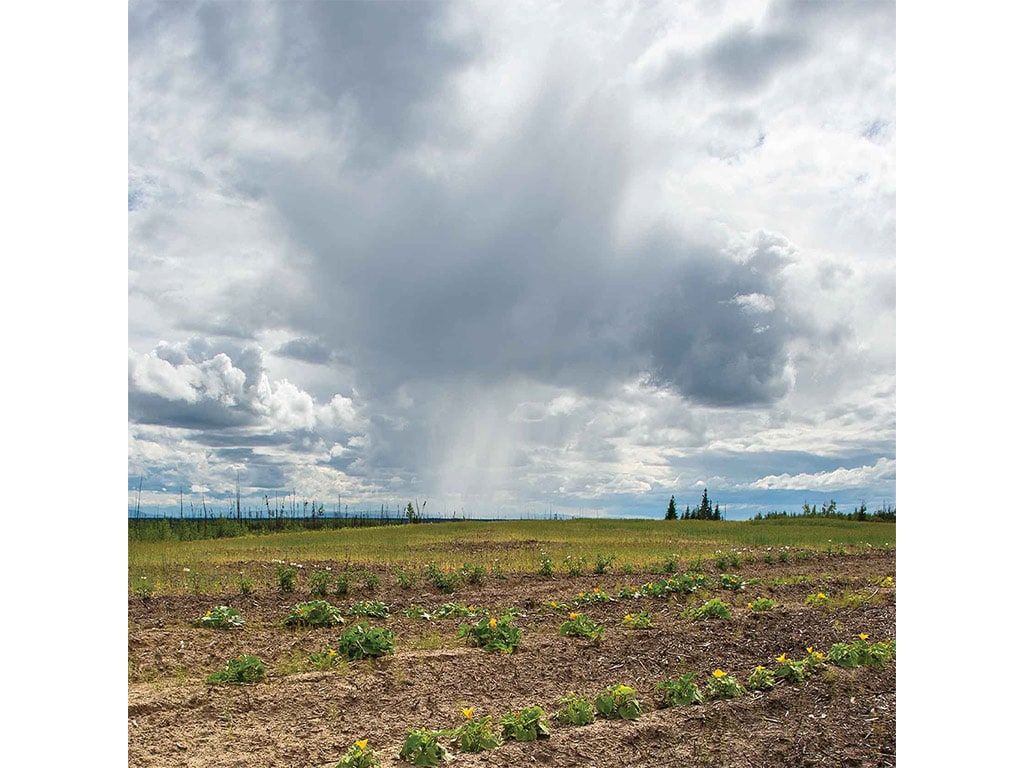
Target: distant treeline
[(193, 529), (887, 513)]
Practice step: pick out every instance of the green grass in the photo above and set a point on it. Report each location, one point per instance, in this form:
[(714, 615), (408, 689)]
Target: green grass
[(514, 545)]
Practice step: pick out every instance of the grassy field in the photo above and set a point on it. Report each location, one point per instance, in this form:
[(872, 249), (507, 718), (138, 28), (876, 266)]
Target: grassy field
[(515, 546)]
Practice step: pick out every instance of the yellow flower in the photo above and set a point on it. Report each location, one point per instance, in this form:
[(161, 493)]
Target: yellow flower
[(209, 613), (580, 595), (718, 674), (810, 649), (362, 744), (471, 608), (332, 652), (628, 617), (781, 659), (573, 615), (821, 596), (597, 591), (862, 636), (494, 623), (759, 668), (468, 712), (553, 604), (750, 605)]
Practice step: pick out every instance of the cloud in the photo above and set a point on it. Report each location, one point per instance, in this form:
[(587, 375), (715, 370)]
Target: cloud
[(883, 470), (531, 253)]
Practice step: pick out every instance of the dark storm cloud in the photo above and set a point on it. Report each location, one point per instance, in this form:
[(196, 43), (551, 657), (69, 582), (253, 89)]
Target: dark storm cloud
[(744, 60), (148, 408), (419, 278), (307, 350), (716, 332)]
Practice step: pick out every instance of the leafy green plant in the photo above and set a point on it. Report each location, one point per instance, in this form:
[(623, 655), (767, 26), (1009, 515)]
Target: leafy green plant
[(547, 568), (528, 724), (575, 565), (618, 701), (418, 612), (221, 617), (730, 581), (762, 604), (342, 583), (790, 670), (243, 670), (679, 692), (602, 563), (723, 686), (575, 710), (143, 588), (640, 620), (761, 679), (492, 634), (424, 748), (362, 641), (579, 625), (596, 595), (374, 608), (445, 582), (315, 613), (726, 560), (405, 579), (329, 659), (475, 734), (286, 577), (670, 564), (359, 756), (860, 653), (245, 586), (459, 611), (712, 609), (370, 580), (472, 574), (319, 583), (817, 599)]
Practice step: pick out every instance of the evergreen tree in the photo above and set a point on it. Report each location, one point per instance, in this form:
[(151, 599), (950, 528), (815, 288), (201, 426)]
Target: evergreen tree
[(671, 513), (717, 515), (687, 515), (704, 513)]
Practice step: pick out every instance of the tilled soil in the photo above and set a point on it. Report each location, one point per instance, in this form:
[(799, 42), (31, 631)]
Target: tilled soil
[(303, 717)]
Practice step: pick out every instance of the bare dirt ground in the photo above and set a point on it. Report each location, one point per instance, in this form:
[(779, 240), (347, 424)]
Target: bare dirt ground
[(303, 717)]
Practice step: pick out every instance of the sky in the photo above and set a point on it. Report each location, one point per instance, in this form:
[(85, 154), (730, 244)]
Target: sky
[(512, 259)]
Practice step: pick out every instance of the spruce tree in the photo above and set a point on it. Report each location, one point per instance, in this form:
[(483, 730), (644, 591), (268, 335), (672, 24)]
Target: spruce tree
[(671, 514), (704, 513)]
